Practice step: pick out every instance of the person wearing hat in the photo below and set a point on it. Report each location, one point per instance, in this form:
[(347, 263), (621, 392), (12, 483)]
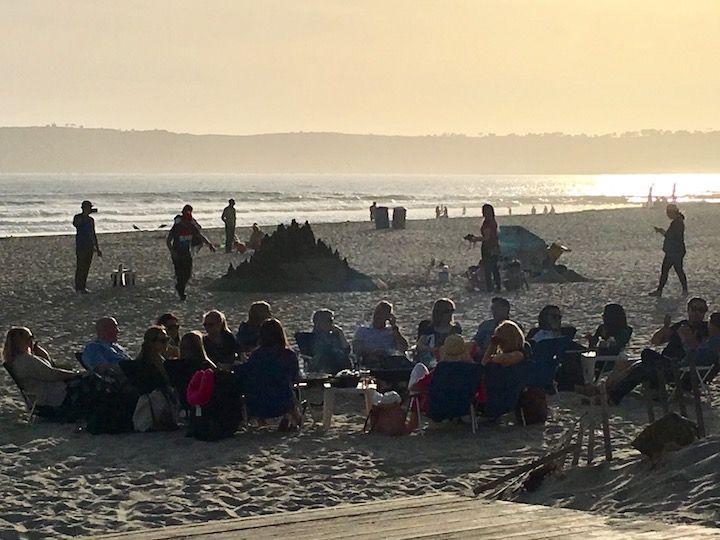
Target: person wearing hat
[(454, 349), (228, 217), (86, 244), (674, 249)]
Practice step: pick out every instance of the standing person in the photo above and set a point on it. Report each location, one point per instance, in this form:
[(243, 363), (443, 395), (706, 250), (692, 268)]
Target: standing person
[(674, 248), (86, 244), (185, 234), (490, 247), (228, 217), (373, 206)]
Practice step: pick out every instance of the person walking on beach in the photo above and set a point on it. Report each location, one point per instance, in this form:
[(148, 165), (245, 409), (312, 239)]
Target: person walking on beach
[(674, 248), (228, 217), (185, 234), (490, 247), (86, 244)]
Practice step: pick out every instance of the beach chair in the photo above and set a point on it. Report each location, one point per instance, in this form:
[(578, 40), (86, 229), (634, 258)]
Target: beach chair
[(546, 358), (451, 394), (503, 385), (29, 399), (267, 390)]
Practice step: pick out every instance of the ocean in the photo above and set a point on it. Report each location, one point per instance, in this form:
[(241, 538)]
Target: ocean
[(41, 204)]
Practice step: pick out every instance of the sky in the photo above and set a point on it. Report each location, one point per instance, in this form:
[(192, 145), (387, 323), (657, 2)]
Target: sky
[(389, 66)]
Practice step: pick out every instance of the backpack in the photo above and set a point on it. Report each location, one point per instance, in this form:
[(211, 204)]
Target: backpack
[(220, 417), (156, 411), (111, 411), (386, 420), (532, 407)]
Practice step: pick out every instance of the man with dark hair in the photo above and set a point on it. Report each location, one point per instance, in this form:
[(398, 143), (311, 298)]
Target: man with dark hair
[(86, 244), (185, 234), (674, 248), (500, 310), (676, 338), (228, 218)]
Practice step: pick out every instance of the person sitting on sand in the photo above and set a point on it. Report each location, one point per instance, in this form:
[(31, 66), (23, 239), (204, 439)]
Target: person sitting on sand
[(381, 338), (147, 372), (672, 355), (52, 391), (613, 335), (256, 237), (219, 342), (442, 325), (172, 326), (249, 331), (507, 346), (192, 358), (331, 350), (500, 310), (453, 349), (268, 376), (104, 352), (550, 325)]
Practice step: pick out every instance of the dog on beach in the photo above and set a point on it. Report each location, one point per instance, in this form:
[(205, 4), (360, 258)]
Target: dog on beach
[(472, 239)]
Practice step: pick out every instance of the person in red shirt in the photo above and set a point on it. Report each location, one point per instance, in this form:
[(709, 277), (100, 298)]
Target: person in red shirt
[(185, 234)]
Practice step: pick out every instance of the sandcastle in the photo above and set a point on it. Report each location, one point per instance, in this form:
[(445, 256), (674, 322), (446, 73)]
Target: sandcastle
[(291, 259)]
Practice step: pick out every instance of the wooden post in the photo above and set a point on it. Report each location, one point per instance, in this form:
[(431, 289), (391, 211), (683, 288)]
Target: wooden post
[(662, 388), (679, 394), (649, 403), (578, 443), (696, 394), (606, 423)]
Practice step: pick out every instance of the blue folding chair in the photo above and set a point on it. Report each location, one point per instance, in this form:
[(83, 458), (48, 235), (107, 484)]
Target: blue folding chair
[(503, 385), (451, 393), (547, 355)]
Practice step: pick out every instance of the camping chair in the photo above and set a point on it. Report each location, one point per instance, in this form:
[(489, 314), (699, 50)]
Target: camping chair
[(29, 399), (267, 390), (545, 361), (503, 385), (451, 393)]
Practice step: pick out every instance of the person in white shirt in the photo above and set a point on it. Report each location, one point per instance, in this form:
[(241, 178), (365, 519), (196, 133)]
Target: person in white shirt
[(382, 337)]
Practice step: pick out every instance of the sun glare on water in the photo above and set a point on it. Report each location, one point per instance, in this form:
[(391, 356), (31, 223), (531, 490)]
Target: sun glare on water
[(637, 186)]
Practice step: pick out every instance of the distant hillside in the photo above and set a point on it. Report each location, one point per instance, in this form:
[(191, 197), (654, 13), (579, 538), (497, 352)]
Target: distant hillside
[(67, 149)]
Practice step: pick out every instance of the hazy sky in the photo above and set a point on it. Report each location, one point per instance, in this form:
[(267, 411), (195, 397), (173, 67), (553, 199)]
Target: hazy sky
[(387, 66)]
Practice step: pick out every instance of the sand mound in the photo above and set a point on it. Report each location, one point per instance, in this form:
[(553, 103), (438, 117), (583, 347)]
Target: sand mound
[(292, 260)]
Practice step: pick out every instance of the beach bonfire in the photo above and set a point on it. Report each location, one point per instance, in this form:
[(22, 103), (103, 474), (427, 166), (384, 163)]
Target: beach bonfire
[(291, 259), (537, 258)]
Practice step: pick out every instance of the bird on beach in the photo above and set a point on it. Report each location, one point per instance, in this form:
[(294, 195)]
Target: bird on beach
[(162, 226), (136, 227)]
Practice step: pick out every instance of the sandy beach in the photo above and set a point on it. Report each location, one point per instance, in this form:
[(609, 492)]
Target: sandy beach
[(55, 482)]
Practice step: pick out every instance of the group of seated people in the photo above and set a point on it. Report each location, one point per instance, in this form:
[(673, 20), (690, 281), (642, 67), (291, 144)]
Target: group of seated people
[(169, 359)]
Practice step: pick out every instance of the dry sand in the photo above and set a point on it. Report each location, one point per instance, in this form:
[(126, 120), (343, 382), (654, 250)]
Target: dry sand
[(56, 482)]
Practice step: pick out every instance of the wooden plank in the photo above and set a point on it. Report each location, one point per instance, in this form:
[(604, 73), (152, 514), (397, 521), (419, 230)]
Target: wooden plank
[(431, 516)]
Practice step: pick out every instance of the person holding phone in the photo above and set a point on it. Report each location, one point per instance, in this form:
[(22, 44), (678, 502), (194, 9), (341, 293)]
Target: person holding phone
[(86, 244), (382, 337), (674, 249)]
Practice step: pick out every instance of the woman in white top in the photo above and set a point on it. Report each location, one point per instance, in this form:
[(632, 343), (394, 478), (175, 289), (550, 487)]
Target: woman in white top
[(45, 386)]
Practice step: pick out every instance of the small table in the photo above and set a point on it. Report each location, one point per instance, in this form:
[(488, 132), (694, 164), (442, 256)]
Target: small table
[(329, 392)]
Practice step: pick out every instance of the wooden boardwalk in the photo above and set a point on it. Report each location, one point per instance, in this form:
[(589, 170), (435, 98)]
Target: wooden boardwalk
[(436, 516)]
